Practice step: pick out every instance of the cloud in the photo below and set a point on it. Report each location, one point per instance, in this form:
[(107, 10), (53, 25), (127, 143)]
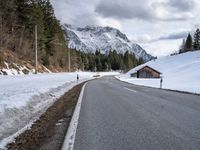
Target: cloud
[(147, 22), (109, 22), (146, 38), (182, 5), (162, 48), (143, 38), (76, 12), (174, 36), (122, 10), (172, 10)]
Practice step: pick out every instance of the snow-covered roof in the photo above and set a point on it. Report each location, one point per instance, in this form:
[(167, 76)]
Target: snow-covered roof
[(134, 70)]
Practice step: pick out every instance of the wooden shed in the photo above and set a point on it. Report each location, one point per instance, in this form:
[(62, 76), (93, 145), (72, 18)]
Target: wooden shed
[(145, 72)]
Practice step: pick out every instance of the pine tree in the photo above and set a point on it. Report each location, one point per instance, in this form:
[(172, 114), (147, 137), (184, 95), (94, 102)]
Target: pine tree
[(91, 66), (141, 61), (182, 47), (197, 40), (188, 43), (128, 60), (8, 22), (116, 61), (134, 60)]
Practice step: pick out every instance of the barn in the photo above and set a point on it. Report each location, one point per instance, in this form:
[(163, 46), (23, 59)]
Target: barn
[(145, 71)]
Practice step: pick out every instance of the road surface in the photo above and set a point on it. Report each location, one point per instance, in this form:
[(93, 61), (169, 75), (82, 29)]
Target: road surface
[(119, 116)]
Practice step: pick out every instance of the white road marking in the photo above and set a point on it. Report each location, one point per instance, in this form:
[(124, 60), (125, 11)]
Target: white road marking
[(71, 133), (130, 89)]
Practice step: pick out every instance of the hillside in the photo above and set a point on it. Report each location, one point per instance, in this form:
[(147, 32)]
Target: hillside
[(180, 72), (17, 38), (91, 38)]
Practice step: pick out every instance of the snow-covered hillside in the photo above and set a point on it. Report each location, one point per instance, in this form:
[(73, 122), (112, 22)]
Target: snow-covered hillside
[(180, 72), (24, 98), (90, 39)]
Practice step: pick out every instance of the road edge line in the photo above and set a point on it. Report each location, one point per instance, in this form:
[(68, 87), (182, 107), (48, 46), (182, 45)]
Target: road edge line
[(164, 89), (71, 132), (131, 90)]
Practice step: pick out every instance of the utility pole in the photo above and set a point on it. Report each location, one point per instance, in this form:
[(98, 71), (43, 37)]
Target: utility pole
[(69, 57), (1, 30), (69, 60), (36, 51)]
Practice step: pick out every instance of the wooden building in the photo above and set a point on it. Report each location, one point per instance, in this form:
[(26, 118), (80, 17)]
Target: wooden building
[(145, 72)]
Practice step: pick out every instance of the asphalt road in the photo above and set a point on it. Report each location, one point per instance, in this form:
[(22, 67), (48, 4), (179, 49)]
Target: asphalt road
[(119, 116)]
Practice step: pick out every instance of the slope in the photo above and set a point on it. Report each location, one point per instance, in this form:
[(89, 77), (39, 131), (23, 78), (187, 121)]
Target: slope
[(180, 72)]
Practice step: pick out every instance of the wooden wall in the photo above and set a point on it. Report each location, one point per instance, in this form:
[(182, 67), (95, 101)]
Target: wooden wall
[(146, 72)]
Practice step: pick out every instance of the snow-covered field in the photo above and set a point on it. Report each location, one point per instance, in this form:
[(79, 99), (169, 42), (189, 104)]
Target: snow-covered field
[(24, 98), (180, 72)]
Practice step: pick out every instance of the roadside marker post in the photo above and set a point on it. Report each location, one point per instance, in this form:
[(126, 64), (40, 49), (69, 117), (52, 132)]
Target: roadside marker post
[(161, 81)]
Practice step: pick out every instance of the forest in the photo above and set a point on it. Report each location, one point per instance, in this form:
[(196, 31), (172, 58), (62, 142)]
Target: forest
[(191, 43), (18, 19)]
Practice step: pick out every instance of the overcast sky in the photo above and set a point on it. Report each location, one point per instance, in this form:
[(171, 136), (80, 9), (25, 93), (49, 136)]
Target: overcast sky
[(157, 25)]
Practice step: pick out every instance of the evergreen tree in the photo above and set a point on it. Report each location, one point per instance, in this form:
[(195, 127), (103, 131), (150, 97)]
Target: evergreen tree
[(116, 62), (197, 40), (85, 61), (98, 64), (141, 61), (128, 60), (188, 43), (134, 60), (182, 47), (91, 66)]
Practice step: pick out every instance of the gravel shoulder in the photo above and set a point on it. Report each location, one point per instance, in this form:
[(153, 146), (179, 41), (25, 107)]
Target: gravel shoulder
[(49, 131)]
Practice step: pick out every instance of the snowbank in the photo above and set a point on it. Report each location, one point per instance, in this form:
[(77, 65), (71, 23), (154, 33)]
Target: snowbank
[(180, 72), (24, 98)]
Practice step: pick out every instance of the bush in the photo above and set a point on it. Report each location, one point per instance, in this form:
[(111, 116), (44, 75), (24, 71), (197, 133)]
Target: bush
[(45, 60), (1, 60)]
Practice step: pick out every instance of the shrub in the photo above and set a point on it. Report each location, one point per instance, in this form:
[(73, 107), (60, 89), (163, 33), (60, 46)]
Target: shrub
[(1, 60)]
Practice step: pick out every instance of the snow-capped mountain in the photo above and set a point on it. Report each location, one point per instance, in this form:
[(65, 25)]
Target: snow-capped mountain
[(90, 39)]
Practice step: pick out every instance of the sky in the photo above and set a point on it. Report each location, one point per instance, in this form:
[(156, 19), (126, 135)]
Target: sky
[(159, 26)]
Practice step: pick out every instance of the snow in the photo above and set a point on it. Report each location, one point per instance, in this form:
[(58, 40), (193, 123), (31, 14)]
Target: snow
[(180, 72), (23, 98), (18, 70)]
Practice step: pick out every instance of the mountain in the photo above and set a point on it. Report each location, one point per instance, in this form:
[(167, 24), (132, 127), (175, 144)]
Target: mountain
[(91, 38)]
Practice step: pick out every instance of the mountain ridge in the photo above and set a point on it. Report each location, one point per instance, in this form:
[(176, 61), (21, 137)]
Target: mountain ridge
[(92, 38)]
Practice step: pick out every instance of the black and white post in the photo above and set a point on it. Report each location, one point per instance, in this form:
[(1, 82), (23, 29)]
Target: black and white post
[(36, 51), (161, 81)]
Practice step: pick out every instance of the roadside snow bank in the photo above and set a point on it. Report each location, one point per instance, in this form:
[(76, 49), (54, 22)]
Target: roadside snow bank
[(24, 98), (180, 72)]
